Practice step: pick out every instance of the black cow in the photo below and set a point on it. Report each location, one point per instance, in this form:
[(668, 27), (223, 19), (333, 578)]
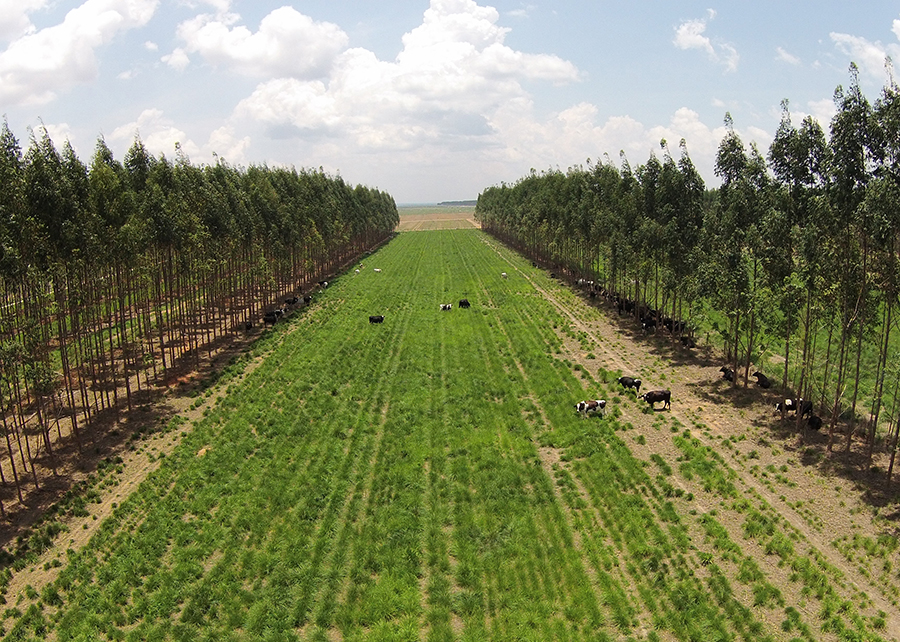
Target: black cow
[(292, 301), (270, 318), (762, 380), (688, 342), (648, 323), (376, 319), (814, 422), (727, 373), (655, 396), (464, 303), (307, 299), (591, 405), (323, 284), (631, 382)]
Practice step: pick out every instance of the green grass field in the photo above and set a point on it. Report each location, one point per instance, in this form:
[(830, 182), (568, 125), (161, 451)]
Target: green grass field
[(426, 479)]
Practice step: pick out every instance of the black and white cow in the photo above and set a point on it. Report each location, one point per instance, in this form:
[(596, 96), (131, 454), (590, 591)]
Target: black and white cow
[(376, 319), (464, 303), (307, 299), (727, 373), (504, 275), (446, 307), (631, 382), (323, 284), (591, 405), (655, 396), (802, 406), (762, 380)]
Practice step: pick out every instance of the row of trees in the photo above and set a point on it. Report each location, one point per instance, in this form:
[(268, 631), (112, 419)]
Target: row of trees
[(118, 276), (794, 253)]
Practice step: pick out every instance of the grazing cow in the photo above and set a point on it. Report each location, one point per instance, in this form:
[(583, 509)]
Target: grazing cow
[(762, 380), (323, 284), (648, 323), (802, 406), (279, 312), (727, 373), (591, 405), (356, 270), (270, 318), (307, 299), (292, 301), (631, 382), (376, 319), (464, 303), (553, 275), (377, 270), (688, 342), (445, 307), (504, 275), (814, 422), (655, 396)]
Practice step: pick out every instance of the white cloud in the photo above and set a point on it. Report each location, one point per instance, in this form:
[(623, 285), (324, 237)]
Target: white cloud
[(178, 59), (782, 55), (14, 20), (869, 56), (690, 35), (38, 65), (288, 44), (453, 73), (161, 136)]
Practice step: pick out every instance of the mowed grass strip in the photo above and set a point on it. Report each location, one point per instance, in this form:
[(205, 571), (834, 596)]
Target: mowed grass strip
[(383, 482)]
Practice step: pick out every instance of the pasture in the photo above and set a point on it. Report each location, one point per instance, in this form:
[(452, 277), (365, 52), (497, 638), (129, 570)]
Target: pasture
[(426, 478)]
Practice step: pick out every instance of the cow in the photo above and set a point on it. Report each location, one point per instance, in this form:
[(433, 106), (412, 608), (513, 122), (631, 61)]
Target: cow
[(727, 373), (504, 275), (248, 326), (377, 270), (279, 312), (464, 303), (655, 396), (307, 299), (356, 270), (323, 284), (292, 301), (814, 422), (446, 307), (270, 318), (762, 380), (376, 319), (802, 406), (591, 405), (648, 323), (631, 382), (688, 342), (553, 275)]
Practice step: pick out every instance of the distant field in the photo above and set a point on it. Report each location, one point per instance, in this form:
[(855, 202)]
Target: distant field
[(436, 217)]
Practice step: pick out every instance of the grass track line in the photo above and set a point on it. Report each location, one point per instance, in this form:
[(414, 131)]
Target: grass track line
[(817, 542)]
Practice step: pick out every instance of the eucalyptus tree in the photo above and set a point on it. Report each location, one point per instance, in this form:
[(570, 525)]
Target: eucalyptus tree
[(882, 218), (850, 172)]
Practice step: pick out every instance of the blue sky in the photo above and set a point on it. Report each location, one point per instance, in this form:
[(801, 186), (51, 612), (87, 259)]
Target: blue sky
[(429, 101)]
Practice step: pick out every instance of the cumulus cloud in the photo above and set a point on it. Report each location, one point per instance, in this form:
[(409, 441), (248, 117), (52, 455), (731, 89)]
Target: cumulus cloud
[(288, 44), (160, 135), (868, 55), (454, 71), (690, 35), (14, 17), (38, 65)]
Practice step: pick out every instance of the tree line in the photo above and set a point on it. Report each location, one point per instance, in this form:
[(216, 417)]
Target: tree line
[(794, 254), (117, 277)]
